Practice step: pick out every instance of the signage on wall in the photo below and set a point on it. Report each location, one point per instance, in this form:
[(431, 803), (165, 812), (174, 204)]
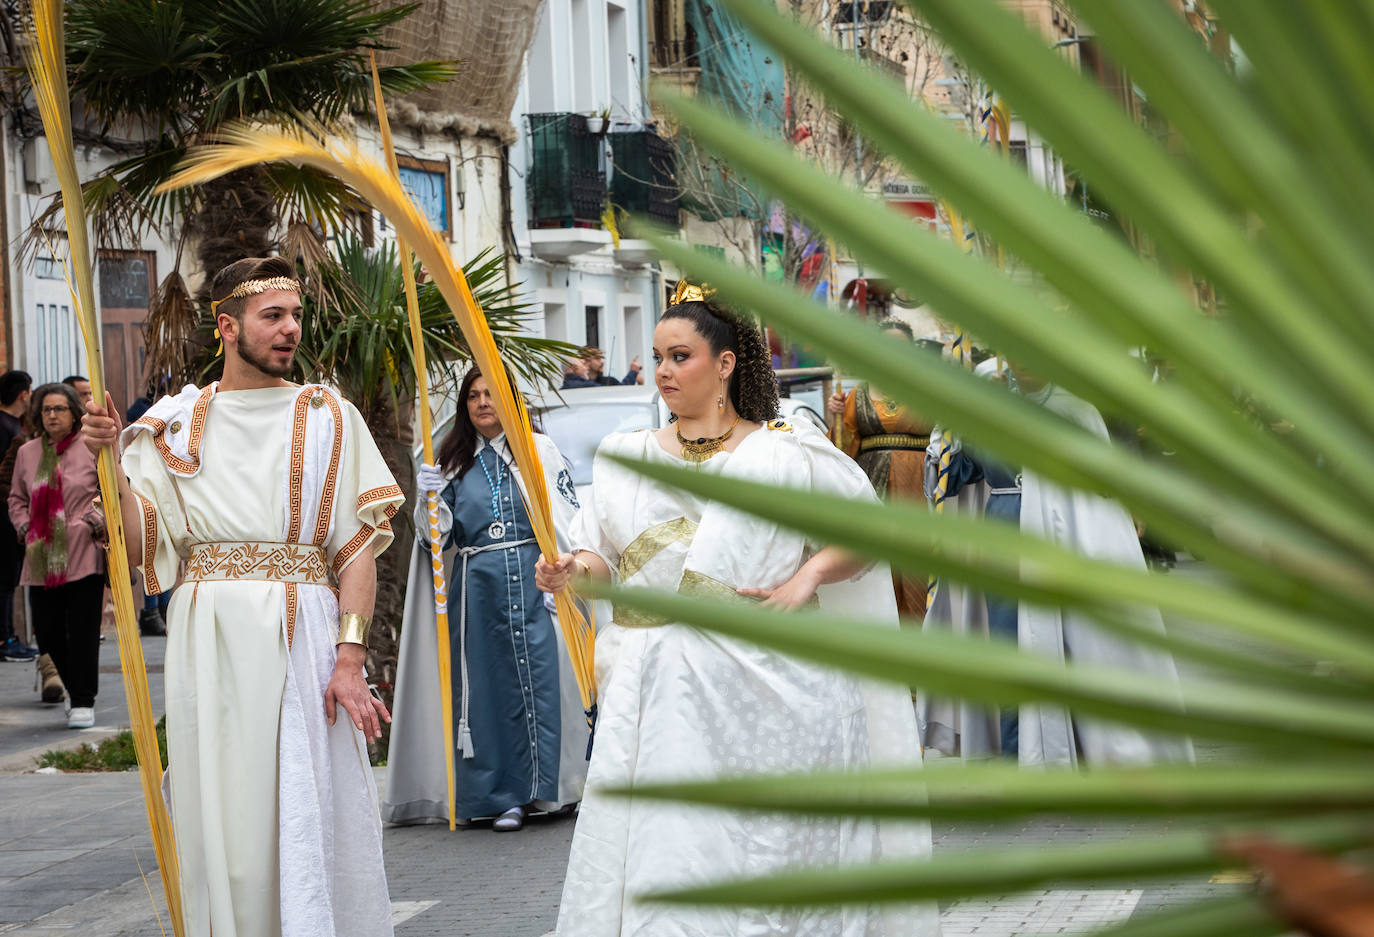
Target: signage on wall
[(906, 189), (913, 198)]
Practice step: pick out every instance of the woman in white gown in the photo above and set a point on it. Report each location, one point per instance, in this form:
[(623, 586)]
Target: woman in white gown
[(680, 703)]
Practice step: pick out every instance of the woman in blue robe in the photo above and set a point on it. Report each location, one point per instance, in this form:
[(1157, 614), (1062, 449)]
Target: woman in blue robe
[(520, 736)]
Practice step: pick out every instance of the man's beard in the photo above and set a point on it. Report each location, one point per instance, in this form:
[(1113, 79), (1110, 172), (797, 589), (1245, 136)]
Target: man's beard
[(250, 355)]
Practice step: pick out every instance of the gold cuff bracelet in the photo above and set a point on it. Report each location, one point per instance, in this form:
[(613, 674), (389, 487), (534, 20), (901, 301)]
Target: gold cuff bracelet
[(353, 629)]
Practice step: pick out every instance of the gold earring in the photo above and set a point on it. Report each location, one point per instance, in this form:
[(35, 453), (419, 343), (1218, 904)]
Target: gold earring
[(720, 397)]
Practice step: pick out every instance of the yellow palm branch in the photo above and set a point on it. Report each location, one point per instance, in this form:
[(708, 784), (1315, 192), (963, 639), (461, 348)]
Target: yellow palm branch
[(241, 145), (48, 68), (436, 547)]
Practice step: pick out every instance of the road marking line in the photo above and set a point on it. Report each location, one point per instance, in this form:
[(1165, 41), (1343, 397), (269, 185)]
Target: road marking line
[(402, 911), (1234, 877)]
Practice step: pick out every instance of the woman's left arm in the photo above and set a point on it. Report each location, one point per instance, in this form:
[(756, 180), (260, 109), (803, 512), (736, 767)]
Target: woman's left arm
[(829, 565), (18, 501)]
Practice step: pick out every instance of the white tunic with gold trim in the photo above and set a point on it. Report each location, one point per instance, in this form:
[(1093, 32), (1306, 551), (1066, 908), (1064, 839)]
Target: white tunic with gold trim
[(267, 494)]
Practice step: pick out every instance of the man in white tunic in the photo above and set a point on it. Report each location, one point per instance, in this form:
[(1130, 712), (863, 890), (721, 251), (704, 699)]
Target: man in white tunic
[(275, 498)]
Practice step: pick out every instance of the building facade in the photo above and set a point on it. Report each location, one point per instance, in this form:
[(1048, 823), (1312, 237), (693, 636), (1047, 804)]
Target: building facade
[(588, 155)]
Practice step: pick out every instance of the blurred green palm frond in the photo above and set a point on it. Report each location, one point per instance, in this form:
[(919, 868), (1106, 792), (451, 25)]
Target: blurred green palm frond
[(356, 332), (1266, 192)]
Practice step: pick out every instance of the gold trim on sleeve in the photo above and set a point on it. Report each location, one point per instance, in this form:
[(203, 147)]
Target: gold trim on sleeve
[(373, 495), (150, 581), (358, 541), (158, 427)]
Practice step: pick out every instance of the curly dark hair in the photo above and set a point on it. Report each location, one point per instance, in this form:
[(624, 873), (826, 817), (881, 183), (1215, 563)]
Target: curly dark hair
[(35, 412), (753, 387)]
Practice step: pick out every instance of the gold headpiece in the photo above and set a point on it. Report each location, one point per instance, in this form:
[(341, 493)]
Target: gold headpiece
[(685, 292), (253, 287)]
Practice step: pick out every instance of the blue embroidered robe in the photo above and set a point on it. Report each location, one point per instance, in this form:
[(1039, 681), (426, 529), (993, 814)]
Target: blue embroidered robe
[(512, 653)]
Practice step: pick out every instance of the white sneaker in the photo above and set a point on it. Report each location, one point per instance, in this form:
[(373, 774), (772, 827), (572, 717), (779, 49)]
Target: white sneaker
[(81, 717)]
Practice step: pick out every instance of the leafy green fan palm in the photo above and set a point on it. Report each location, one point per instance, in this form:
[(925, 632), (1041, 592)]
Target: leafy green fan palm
[(1270, 198), (171, 73)]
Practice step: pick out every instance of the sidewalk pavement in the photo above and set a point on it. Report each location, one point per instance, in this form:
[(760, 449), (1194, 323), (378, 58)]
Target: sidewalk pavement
[(28, 727)]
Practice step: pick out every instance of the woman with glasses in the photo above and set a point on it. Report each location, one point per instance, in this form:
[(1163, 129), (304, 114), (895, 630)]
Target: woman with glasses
[(52, 506)]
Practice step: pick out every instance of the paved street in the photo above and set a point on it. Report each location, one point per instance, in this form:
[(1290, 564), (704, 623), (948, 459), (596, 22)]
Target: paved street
[(75, 855), (28, 727)]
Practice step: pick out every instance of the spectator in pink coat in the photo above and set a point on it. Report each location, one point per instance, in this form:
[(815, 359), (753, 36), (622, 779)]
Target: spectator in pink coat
[(52, 507)]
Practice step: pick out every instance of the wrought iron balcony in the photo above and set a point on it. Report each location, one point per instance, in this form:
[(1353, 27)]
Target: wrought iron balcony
[(645, 179), (567, 186)]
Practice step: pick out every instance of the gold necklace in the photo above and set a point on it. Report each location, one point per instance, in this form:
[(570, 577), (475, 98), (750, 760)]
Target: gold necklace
[(702, 448)]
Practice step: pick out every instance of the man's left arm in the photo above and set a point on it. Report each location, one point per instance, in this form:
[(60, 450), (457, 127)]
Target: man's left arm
[(348, 686)]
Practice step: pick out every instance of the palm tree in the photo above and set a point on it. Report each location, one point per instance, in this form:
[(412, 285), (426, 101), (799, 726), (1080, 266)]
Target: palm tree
[(174, 72), (1265, 191), (170, 74)]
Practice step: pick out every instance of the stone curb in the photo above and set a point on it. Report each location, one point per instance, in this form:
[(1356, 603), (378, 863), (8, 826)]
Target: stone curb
[(26, 761)]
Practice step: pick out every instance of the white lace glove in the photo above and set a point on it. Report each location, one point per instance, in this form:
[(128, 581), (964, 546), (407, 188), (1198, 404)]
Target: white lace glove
[(430, 478)]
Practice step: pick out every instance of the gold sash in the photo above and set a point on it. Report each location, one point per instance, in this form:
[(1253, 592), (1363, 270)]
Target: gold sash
[(228, 560), (893, 441)]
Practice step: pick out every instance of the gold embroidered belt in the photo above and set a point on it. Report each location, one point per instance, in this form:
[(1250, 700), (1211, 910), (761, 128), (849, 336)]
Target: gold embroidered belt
[(227, 560), (893, 441)]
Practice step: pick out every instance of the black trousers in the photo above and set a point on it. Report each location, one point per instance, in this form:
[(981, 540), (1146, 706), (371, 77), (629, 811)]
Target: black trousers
[(66, 620), (11, 561)]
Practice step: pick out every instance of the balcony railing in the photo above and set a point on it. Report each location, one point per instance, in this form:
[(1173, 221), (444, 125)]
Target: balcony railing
[(645, 179), (870, 11), (674, 53), (567, 187)]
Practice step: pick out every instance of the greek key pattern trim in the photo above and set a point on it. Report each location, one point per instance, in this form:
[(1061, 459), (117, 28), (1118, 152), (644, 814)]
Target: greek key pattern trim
[(296, 483), (175, 462), (151, 585), (359, 540), (373, 495), (331, 481), (292, 602)]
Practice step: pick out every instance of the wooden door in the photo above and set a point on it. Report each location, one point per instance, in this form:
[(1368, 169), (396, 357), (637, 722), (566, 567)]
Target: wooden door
[(127, 281)]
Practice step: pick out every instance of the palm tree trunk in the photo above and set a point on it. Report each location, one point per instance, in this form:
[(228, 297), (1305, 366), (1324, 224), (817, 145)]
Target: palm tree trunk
[(235, 219), (394, 439)]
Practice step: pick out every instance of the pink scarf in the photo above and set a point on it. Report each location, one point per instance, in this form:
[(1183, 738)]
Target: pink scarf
[(46, 543)]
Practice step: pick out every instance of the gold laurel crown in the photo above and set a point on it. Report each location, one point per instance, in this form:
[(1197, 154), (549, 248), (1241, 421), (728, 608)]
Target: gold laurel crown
[(253, 287), (685, 292)]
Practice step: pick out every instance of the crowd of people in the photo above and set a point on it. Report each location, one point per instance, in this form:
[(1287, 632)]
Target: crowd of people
[(587, 370), (677, 703), (52, 539), (268, 502)]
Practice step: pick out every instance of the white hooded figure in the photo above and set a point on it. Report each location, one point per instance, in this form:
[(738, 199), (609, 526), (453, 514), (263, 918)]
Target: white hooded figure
[(1043, 734)]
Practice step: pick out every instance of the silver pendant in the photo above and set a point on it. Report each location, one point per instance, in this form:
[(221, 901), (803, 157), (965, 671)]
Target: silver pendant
[(497, 530)]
